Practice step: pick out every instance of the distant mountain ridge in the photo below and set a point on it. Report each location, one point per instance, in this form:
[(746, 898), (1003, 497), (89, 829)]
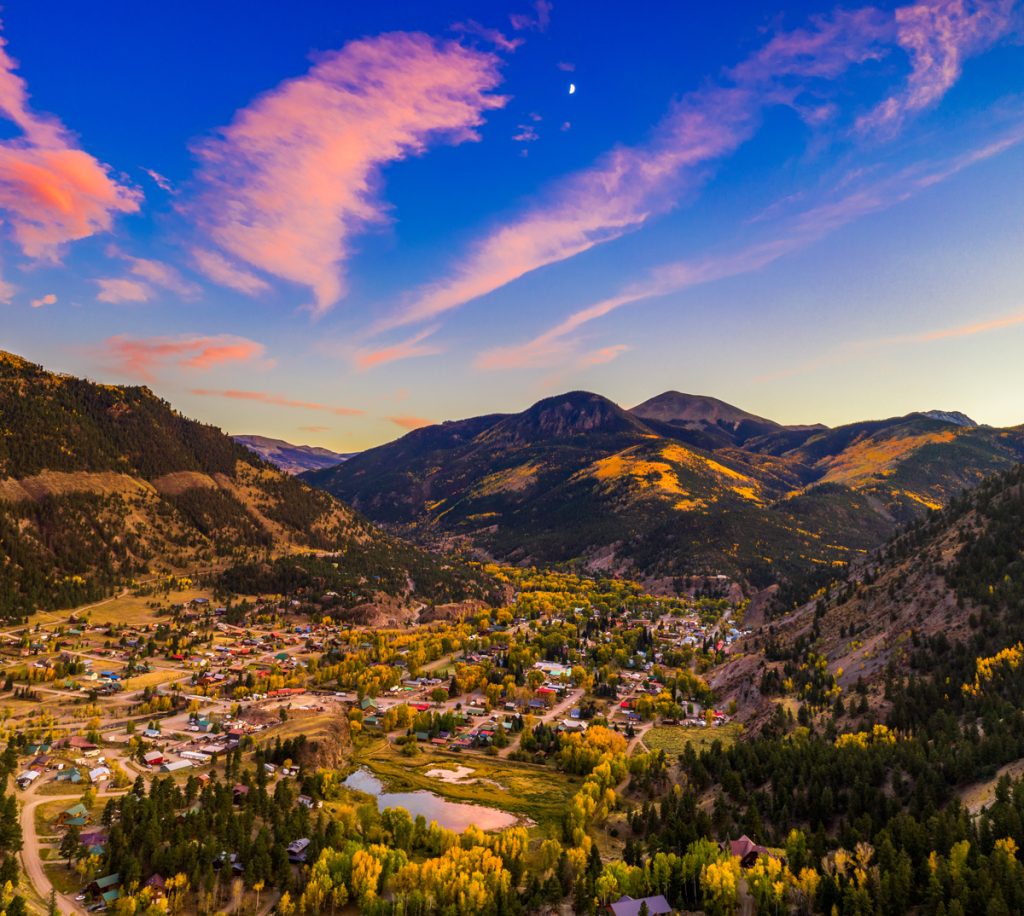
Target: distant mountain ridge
[(681, 484), (292, 459)]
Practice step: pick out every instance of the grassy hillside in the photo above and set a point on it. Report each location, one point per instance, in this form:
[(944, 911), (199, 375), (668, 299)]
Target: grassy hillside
[(101, 484), (681, 485)]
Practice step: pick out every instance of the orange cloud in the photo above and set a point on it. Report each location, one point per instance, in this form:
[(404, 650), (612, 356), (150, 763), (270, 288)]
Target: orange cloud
[(296, 174), (601, 356), (276, 399), (937, 36), (406, 349), (141, 357), (410, 423), (51, 192), (48, 299), (315, 429)]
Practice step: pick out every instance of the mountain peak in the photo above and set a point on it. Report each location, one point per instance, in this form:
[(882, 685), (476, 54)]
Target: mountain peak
[(293, 459), (565, 415), (949, 416), (679, 408)]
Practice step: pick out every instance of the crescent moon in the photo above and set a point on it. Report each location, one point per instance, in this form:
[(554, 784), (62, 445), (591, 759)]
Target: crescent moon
[(572, 88)]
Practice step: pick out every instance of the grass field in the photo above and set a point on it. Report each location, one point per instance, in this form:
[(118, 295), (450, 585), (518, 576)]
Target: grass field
[(673, 739), (531, 791), (135, 610), (154, 678)]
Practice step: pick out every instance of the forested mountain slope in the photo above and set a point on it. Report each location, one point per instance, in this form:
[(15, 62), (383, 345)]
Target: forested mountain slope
[(680, 485), (100, 484)]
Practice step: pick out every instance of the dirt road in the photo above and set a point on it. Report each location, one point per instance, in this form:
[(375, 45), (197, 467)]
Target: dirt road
[(31, 861)]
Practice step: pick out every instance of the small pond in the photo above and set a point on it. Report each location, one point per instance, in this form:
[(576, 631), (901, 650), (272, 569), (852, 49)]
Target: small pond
[(452, 815)]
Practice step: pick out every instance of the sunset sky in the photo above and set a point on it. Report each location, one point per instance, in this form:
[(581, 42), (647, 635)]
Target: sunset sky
[(331, 222)]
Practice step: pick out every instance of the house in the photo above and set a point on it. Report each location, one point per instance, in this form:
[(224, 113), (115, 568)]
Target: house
[(238, 793), (84, 745), (27, 778), (173, 766), (104, 885), (628, 906), (745, 849), (75, 816), (367, 703), (153, 758), (157, 884), (297, 851), (98, 774)]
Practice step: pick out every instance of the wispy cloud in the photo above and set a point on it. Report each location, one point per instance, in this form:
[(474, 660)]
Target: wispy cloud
[(141, 357), (601, 356), (315, 429), (51, 191), (537, 21), (809, 226), (410, 423), (406, 349), (854, 349), (494, 36), (626, 187), (122, 289), (937, 36), (296, 175), (163, 183), (277, 400), (219, 269), (146, 274)]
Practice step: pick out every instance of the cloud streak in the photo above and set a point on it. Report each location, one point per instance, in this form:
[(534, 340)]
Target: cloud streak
[(51, 191), (410, 423), (406, 349), (141, 357), (813, 224), (285, 187), (277, 400), (629, 185)]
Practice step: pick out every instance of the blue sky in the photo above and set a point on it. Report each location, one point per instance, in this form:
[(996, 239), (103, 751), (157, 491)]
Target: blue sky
[(333, 224)]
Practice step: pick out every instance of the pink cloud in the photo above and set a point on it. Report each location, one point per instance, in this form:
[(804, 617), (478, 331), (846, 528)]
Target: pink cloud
[(527, 134), (222, 271), (277, 400), (164, 184), (628, 186), (406, 349), (315, 429), (937, 36), (566, 67), (48, 299), (410, 423), (122, 289), (601, 356), (147, 273), (537, 21), (288, 183), (557, 344), (51, 191), (494, 36), (142, 356)]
